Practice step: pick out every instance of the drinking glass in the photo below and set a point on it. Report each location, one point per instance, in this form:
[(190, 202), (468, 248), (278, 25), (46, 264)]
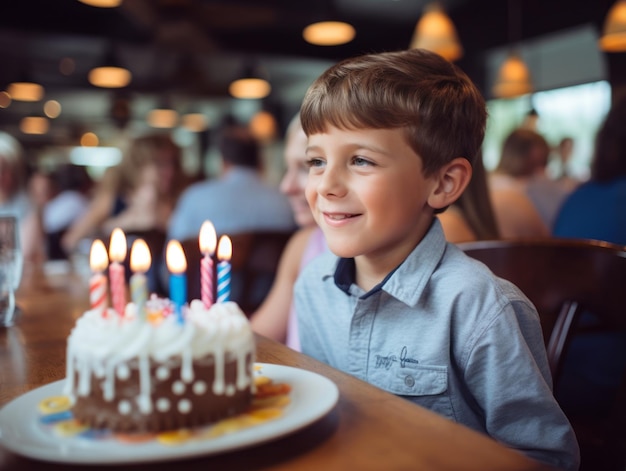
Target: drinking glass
[(11, 265)]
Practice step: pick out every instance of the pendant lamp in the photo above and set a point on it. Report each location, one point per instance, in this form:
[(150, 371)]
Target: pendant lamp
[(513, 78), (436, 32), (613, 37), (251, 84), (110, 74)]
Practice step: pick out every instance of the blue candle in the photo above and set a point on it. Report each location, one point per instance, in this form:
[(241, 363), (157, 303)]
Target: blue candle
[(177, 266), (224, 253)]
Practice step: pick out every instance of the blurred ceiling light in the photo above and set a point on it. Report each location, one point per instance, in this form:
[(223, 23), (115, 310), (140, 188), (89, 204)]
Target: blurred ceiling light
[(613, 37), (102, 3), (109, 77), (52, 109), (194, 122), (436, 32), (513, 78), (162, 118), (252, 84), (329, 33), (25, 91), (5, 99), (110, 74), (34, 125), (89, 139), (263, 126)]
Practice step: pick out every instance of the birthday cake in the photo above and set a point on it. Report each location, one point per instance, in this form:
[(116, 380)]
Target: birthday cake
[(156, 371)]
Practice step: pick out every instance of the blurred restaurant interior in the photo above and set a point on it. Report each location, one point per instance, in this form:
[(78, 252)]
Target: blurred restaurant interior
[(183, 54)]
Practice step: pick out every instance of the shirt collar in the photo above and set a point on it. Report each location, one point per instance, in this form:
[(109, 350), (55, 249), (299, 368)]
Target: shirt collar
[(417, 267)]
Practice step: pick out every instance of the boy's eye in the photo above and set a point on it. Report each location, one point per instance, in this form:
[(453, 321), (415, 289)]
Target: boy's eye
[(314, 162), (361, 162)]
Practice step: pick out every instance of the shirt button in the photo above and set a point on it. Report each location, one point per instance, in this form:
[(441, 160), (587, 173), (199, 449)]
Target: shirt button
[(409, 381)]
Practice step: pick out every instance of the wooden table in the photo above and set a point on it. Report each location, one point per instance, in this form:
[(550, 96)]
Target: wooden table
[(369, 429)]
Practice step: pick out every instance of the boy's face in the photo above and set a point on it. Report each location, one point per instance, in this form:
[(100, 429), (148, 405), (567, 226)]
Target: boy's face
[(368, 193)]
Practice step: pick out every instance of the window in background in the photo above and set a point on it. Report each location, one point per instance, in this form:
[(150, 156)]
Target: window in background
[(576, 111)]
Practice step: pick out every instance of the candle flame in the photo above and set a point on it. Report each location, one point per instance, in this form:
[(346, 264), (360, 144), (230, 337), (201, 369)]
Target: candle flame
[(175, 257), (117, 247), (140, 258), (208, 238), (225, 249), (98, 259)]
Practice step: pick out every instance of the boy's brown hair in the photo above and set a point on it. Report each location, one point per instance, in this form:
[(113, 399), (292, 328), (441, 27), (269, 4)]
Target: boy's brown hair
[(442, 111)]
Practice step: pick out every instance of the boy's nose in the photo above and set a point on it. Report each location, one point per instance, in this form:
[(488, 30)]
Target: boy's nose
[(331, 183)]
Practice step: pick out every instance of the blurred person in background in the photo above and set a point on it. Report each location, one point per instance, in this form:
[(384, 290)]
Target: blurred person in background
[(138, 194), (239, 200), (524, 153), (276, 318), (68, 200), (595, 362)]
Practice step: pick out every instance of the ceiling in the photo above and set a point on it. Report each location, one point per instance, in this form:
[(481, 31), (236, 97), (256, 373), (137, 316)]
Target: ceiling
[(188, 51)]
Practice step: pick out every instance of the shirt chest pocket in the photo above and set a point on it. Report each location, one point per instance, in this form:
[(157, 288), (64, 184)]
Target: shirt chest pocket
[(424, 385), (412, 380)]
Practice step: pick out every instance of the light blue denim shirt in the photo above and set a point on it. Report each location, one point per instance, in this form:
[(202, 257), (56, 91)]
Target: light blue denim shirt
[(445, 333)]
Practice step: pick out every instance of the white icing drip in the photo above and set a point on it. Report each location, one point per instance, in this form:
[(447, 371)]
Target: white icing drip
[(123, 371), (186, 367), (143, 400), (102, 346)]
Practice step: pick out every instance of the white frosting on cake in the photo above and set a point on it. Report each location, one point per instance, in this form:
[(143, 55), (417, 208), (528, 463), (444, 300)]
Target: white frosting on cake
[(102, 346)]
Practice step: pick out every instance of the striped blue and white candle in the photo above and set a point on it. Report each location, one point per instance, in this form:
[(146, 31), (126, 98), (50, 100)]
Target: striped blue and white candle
[(224, 254)]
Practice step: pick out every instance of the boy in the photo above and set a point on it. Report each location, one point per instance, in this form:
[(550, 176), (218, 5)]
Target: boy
[(391, 139)]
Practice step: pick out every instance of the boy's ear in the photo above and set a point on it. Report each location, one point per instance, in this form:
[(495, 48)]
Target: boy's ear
[(452, 180)]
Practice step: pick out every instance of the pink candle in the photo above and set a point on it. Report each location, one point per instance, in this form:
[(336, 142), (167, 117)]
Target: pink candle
[(117, 254), (98, 262), (208, 241)]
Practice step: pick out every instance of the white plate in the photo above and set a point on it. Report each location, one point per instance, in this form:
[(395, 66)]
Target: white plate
[(312, 396)]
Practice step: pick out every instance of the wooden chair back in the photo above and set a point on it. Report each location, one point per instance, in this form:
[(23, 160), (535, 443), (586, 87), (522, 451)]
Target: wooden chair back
[(562, 277), (254, 263), (565, 278)]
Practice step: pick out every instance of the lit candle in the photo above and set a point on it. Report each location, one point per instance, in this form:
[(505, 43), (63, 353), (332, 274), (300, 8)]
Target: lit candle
[(208, 241), (224, 253), (140, 260), (177, 265), (98, 262), (117, 254)]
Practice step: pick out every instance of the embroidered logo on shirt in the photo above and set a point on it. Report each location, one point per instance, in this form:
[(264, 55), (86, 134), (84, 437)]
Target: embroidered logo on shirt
[(386, 362)]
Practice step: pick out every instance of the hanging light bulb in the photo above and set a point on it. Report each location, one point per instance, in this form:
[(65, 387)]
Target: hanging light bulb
[(329, 33), (513, 78), (25, 91), (436, 32), (252, 84), (614, 32), (110, 74), (102, 3)]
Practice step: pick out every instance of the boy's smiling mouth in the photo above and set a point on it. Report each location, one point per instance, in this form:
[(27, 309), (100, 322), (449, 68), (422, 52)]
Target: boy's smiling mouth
[(338, 216)]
